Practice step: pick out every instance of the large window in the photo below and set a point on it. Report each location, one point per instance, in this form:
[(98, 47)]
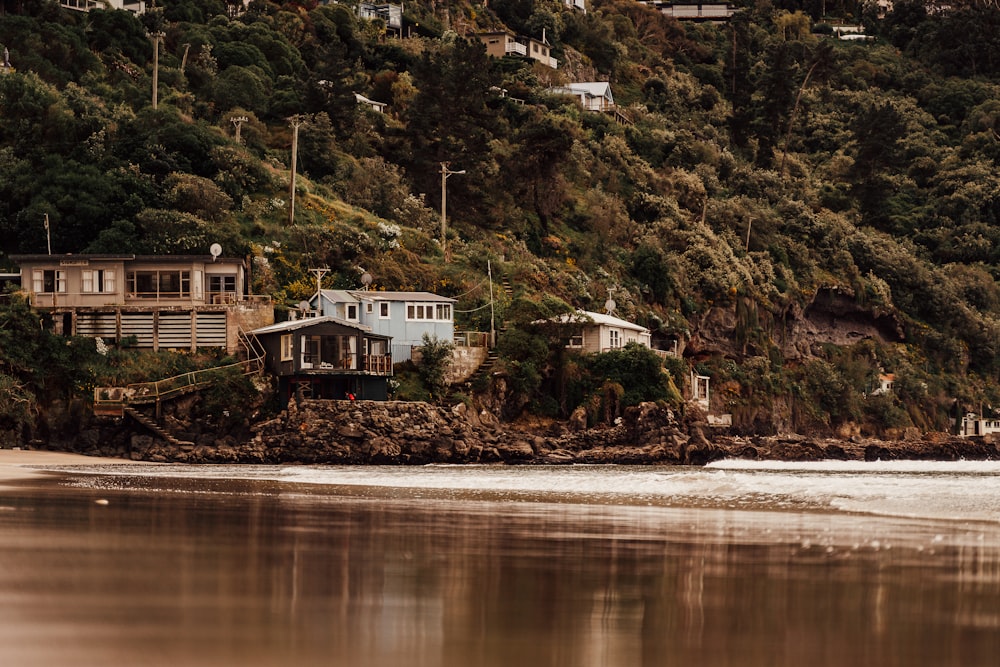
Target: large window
[(615, 339), (159, 284), (286, 348), (48, 282), (383, 310), (428, 312), (97, 281)]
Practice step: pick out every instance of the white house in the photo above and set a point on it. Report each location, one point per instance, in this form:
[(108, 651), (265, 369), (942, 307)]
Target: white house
[(403, 316), (593, 95), (598, 332), (377, 107), (974, 425), (136, 7)]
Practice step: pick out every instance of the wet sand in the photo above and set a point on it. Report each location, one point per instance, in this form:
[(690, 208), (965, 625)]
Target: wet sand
[(19, 464)]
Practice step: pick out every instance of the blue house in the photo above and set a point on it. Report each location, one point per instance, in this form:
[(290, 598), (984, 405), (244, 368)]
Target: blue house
[(403, 316)]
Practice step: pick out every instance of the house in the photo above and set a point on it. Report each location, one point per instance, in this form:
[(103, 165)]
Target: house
[(134, 6), (598, 332), (593, 96), (579, 5), (539, 49), (391, 14), (502, 43), (886, 382), (974, 425), (326, 357), (377, 107), (713, 12), (505, 43), (403, 316), (178, 302)]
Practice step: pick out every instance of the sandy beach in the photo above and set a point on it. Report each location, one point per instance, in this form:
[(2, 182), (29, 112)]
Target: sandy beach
[(18, 464)]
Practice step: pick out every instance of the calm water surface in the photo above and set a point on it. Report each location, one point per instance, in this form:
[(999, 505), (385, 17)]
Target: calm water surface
[(737, 564)]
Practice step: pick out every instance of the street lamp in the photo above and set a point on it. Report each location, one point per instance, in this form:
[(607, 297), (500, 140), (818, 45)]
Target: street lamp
[(445, 173)]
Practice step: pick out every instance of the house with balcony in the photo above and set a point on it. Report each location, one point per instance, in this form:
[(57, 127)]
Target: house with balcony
[(502, 43), (402, 316), (390, 14), (592, 95), (159, 302), (326, 357), (505, 43), (134, 6)]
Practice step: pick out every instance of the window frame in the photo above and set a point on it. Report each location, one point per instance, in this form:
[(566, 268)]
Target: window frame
[(287, 345)]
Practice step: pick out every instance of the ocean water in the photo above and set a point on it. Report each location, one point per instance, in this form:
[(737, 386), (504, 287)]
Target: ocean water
[(737, 563)]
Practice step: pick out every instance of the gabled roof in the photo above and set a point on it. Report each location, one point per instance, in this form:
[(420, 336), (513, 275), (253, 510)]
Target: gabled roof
[(337, 296), (304, 323), (374, 295), (591, 88), (586, 317)]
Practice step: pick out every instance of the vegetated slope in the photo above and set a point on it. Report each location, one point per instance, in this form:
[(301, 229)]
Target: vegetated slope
[(801, 213)]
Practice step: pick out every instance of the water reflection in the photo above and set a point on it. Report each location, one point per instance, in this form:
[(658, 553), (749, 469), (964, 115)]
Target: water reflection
[(262, 576)]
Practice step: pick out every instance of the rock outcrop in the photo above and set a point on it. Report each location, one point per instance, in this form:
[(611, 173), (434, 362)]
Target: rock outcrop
[(410, 433)]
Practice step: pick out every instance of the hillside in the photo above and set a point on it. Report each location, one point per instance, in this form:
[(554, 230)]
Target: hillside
[(800, 213)]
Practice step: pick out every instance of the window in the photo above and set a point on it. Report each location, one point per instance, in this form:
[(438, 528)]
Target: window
[(575, 341), (383, 310), (156, 284), (219, 284), (614, 339), (98, 280), (48, 282), (369, 308), (428, 312), (352, 311), (286, 348)]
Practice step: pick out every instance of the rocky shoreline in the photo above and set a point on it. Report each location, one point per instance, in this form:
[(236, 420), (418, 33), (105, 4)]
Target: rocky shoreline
[(409, 433)]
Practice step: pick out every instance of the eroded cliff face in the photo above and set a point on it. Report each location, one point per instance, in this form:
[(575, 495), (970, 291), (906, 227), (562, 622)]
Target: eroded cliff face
[(834, 316)]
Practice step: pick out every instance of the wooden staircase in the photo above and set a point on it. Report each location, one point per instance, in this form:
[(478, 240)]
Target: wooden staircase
[(153, 426)]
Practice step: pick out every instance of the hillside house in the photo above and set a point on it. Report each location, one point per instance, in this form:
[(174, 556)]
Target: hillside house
[(391, 14), (598, 332), (403, 316), (711, 12), (134, 6), (540, 50), (505, 43), (500, 43), (886, 382), (326, 357), (177, 302), (593, 95), (579, 5), (377, 107)]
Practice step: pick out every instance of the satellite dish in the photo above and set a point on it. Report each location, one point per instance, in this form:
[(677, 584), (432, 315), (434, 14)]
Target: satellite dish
[(304, 306), (366, 279), (610, 305), (215, 250)]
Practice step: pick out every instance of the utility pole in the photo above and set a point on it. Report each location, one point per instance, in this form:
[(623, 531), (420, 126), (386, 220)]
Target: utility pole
[(157, 36), (295, 121), (445, 173), (238, 122), (48, 235), (319, 273)]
